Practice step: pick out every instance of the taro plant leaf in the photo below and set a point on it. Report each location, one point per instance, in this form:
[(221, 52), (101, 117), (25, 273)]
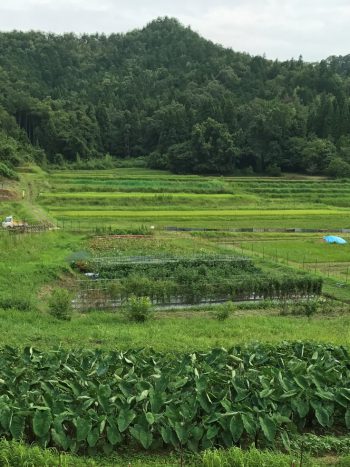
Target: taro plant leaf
[(60, 438), (181, 431), (104, 393), (113, 435), (124, 419), (266, 392), (150, 418), (268, 427), (192, 445), (83, 428), (322, 416), (156, 400), (42, 422), (249, 423), (142, 435), (285, 440), (165, 431), (347, 419), (5, 417), (17, 426), (92, 437), (302, 407), (197, 433), (236, 426), (212, 431)]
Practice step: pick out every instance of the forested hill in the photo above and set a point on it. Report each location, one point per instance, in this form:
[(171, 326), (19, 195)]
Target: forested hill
[(167, 93)]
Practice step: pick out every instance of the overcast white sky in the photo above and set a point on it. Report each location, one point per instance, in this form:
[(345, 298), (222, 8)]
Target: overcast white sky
[(279, 28)]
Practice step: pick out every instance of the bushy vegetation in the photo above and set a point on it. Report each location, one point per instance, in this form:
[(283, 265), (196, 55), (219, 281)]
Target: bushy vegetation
[(321, 445), (6, 172), (60, 304), (189, 280), (99, 400), (138, 309), (23, 303)]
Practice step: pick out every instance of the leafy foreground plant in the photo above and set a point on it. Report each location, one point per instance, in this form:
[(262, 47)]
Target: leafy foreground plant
[(91, 402)]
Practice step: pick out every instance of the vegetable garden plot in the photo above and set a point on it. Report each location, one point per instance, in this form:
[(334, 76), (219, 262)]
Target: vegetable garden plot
[(86, 401), (170, 280), (111, 294)]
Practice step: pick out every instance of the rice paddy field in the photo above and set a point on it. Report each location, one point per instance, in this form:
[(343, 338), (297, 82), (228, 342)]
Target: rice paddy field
[(129, 197)]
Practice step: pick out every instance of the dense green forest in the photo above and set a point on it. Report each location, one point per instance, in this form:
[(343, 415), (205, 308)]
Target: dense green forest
[(169, 95)]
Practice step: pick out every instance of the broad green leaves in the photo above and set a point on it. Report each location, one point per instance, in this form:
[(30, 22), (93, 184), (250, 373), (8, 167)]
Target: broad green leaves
[(42, 422), (143, 435), (268, 427), (83, 428), (100, 400), (236, 427), (124, 419)]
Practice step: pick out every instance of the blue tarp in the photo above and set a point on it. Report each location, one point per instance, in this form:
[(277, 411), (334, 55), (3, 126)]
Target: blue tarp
[(334, 239)]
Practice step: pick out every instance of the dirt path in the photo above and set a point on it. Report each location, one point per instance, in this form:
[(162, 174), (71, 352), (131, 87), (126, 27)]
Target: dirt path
[(31, 183)]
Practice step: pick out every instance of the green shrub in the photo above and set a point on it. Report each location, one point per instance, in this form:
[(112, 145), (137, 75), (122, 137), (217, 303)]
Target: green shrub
[(6, 172), (307, 308), (157, 160), (21, 303), (310, 308), (138, 309), (273, 170), (60, 304), (224, 310)]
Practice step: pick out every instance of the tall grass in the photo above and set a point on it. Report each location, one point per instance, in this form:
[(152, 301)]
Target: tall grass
[(14, 454), (193, 330), (236, 457)]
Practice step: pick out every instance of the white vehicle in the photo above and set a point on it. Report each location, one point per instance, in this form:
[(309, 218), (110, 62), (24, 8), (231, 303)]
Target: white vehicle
[(10, 223)]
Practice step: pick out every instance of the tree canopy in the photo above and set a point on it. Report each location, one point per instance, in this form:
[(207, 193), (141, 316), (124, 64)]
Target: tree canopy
[(165, 92)]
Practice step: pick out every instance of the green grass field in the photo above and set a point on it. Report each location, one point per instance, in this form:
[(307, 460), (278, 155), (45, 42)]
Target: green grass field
[(190, 331)]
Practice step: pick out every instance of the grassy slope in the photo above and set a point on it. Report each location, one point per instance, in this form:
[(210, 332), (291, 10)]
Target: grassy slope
[(31, 262), (168, 331)]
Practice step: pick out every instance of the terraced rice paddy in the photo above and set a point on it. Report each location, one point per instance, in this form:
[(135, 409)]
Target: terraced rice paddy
[(129, 197)]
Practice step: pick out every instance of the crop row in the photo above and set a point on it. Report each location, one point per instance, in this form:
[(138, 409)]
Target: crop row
[(99, 401), (152, 214), (185, 269), (112, 293), (187, 280)]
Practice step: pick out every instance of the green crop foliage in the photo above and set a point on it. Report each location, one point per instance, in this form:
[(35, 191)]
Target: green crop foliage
[(104, 400), (189, 279)]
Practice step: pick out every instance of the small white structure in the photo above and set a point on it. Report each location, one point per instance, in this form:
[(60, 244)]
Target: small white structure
[(8, 222)]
